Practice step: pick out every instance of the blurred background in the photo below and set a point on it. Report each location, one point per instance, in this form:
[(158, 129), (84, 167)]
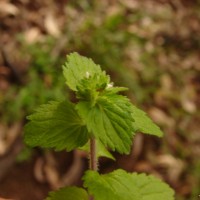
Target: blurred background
[(152, 47)]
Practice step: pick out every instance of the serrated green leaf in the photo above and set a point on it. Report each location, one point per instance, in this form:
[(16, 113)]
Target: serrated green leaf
[(144, 124), (120, 185), (79, 68), (56, 125), (100, 148), (68, 193), (110, 121)]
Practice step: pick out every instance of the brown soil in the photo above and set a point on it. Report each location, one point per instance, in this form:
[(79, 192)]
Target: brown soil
[(20, 183)]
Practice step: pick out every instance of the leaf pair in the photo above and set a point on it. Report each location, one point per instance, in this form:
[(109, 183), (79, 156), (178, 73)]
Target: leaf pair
[(118, 185), (59, 125)]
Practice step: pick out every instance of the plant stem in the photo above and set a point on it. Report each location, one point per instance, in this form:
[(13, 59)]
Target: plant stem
[(91, 198), (93, 158)]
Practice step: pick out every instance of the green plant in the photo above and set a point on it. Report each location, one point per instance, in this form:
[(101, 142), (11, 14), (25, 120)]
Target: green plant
[(100, 119)]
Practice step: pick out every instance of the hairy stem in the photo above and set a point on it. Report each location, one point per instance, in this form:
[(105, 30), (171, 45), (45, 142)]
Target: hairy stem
[(93, 158), (91, 198)]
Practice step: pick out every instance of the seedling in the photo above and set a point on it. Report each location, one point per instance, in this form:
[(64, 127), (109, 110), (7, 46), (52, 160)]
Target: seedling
[(101, 119)]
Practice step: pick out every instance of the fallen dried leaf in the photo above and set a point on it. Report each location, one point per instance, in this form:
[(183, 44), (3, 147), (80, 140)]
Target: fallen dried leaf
[(32, 35), (174, 166), (161, 117), (7, 8), (38, 170), (51, 25), (50, 170)]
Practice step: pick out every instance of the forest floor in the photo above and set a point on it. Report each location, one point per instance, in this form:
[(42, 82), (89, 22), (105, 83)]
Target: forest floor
[(151, 47)]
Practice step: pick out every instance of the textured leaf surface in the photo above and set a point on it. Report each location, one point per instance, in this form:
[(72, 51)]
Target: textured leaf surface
[(79, 68), (56, 125), (142, 123), (100, 148), (110, 121), (68, 193), (120, 185)]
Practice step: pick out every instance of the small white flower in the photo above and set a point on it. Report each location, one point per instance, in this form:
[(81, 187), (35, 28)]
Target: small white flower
[(110, 85), (87, 75)]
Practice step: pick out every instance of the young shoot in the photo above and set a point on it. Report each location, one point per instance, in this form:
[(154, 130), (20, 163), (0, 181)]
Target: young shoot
[(101, 119)]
